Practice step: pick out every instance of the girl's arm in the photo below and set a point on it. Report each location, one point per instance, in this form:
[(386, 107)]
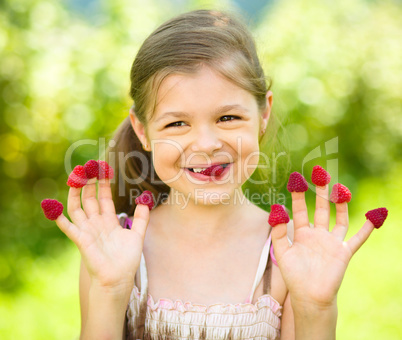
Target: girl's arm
[(288, 322), (314, 265), (85, 282), (110, 255), (107, 320), (102, 310), (312, 323)]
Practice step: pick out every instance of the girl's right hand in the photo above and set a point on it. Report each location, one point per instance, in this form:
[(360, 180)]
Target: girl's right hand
[(110, 253)]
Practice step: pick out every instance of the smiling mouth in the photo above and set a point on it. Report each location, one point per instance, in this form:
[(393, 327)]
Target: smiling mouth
[(214, 170)]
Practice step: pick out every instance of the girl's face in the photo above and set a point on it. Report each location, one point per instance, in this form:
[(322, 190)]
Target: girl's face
[(203, 120)]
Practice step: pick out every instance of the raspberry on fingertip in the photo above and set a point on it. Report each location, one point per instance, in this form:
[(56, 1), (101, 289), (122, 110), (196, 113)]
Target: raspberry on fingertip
[(146, 198), (320, 176), (52, 208), (297, 183), (91, 169), (340, 194), (105, 170), (278, 215), (377, 216), (77, 178)]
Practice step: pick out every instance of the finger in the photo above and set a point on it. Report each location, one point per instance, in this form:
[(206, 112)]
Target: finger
[(141, 219), (322, 209), (105, 197), (342, 221), (299, 209), (68, 228), (280, 240), (74, 209), (360, 237), (89, 201)]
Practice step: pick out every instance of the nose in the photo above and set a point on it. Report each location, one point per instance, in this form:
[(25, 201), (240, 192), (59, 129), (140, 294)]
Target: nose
[(206, 140)]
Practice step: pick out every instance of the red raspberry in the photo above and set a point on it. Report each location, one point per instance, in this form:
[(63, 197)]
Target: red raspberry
[(105, 170), (51, 208), (297, 183), (214, 170), (377, 216), (91, 169), (340, 194), (145, 198), (320, 176), (277, 215), (77, 178)]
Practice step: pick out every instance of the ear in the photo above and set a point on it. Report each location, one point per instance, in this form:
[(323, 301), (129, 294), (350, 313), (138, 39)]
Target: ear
[(266, 114), (139, 130)]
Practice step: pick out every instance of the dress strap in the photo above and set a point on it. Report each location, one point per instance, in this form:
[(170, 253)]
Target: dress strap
[(271, 252), (261, 268), (140, 321)]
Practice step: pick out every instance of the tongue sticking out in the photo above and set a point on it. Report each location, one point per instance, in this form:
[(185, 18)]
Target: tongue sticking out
[(214, 170)]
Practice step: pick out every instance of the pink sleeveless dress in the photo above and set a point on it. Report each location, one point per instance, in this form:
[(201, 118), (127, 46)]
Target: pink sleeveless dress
[(167, 320)]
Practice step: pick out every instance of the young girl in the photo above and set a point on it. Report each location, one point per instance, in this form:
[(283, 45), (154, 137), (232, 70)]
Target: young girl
[(201, 264)]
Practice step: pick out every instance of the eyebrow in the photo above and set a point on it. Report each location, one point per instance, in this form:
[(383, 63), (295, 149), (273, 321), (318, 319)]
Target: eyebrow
[(219, 110)]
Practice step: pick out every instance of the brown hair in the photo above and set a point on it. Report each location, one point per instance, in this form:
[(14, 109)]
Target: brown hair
[(182, 45)]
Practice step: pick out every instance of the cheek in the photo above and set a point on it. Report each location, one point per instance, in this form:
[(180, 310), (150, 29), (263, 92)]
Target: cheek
[(249, 142), (166, 155), (250, 154)]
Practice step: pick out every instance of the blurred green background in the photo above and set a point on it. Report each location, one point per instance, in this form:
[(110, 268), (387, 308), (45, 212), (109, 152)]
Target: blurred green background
[(64, 78)]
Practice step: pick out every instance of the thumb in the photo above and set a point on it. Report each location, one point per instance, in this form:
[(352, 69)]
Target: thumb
[(278, 219), (280, 240), (141, 219)]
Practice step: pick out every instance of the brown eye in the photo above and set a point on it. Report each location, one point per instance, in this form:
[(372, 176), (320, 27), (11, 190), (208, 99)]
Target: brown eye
[(228, 118), (175, 124)]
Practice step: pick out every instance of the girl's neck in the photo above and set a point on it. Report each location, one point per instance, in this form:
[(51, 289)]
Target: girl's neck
[(194, 220)]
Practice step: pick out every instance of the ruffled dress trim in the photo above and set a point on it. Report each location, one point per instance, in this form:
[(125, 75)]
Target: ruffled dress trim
[(265, 300)]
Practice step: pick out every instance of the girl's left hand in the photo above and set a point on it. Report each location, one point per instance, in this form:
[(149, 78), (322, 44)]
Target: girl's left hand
[(314, 266)]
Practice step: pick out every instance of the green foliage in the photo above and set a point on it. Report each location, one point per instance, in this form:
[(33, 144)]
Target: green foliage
[(336, 69), (337, 73)]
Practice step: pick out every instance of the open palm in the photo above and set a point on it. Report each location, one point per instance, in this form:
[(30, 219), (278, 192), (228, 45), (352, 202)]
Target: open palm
[(111, 254), (314, 265)]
